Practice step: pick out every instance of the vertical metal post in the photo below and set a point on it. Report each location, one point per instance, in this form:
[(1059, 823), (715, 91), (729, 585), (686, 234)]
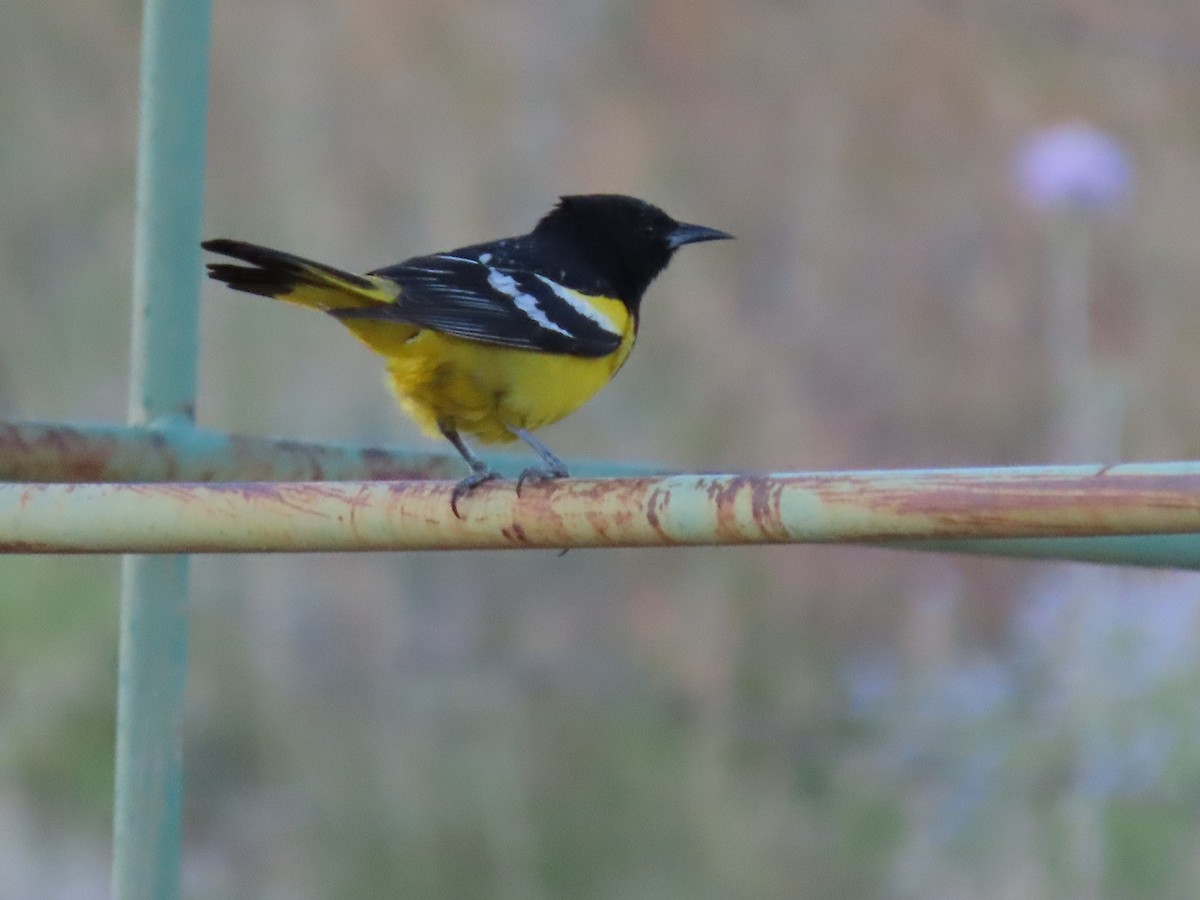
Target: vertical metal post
[(153, 643)]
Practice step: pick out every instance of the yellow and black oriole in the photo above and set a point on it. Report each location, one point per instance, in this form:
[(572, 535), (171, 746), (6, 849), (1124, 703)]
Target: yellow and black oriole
[(493, 340)]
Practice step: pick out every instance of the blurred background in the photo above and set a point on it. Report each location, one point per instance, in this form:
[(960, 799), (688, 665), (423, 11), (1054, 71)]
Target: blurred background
[(967, 235)]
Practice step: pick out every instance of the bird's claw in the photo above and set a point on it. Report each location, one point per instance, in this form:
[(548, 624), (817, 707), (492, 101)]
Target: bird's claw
[(536, 473), (468, 484)]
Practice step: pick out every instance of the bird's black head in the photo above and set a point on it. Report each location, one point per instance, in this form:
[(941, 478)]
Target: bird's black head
[(628, 240)]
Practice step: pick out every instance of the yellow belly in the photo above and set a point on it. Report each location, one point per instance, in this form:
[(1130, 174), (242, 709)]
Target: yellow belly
[(483, 390), (480, 389)]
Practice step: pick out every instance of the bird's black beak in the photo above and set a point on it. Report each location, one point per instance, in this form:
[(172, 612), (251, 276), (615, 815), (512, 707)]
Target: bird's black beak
[(693, 234)]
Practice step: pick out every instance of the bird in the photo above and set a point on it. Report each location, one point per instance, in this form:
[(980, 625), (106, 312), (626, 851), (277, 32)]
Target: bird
[(492, 340)]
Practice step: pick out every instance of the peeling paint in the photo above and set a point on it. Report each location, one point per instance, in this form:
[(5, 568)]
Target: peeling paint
[(38, 452), (870, 507)]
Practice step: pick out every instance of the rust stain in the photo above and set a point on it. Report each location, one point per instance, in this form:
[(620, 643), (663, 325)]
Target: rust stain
[(33, 547), (360, 501), (598, 517), (52, 454), (763, 493), (299, 496), (1044, 506), (724, 494), (538, 503), (515, 534), (603, 504), (657, 504)]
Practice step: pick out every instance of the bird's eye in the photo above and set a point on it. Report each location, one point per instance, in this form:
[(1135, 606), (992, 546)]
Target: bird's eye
[(649, 229)]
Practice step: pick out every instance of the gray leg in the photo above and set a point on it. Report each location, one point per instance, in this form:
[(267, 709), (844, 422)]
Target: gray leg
[(480, 471), (555, 467)]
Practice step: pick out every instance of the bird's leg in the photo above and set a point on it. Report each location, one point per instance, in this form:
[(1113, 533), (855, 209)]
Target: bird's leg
[(555, 467), (480, 472)]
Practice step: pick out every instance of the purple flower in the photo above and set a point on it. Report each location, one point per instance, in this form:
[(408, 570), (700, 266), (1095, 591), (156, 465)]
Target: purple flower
[(1073, 167)]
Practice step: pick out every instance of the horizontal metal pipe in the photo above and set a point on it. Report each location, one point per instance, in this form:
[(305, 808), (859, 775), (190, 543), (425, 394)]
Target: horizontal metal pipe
[(37, 451), (1161, 551), (855, 507), (41, 451)]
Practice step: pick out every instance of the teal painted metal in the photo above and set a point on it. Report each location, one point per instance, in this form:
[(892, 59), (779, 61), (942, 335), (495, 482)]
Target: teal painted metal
[(847, 507), (148, 789), (48, 451), (150, 686), (1153, 551)]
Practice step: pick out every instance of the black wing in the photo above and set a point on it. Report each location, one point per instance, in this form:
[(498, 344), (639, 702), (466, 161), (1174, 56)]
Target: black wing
[(478, 301)]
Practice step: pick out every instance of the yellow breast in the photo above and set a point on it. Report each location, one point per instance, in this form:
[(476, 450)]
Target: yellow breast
[(484, 390)]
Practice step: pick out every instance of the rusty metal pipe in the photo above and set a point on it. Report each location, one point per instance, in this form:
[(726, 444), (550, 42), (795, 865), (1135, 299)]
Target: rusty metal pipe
[(855, 507), (50, 451), (45, 451)]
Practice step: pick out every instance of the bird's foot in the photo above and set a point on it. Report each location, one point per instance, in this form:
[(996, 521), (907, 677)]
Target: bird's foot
[(468, 484), (537, 473)]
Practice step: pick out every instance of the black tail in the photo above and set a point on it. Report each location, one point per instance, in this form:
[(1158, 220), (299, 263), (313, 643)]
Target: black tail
[(273, 273)]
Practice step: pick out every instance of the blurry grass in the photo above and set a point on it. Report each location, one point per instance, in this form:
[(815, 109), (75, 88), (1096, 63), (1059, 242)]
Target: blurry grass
[(57, 682)]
